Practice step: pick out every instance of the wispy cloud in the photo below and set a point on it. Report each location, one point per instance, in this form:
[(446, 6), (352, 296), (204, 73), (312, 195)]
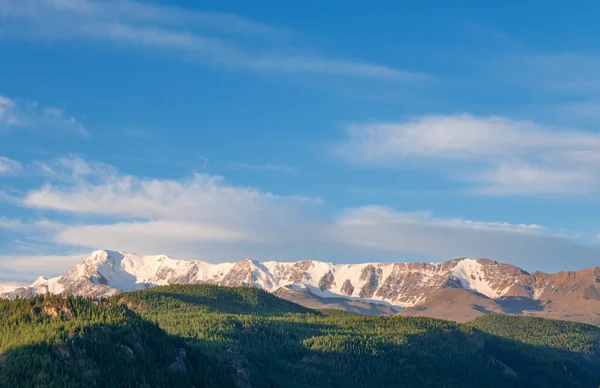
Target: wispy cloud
[(71, 168), (214, 38), (132, 11), (496, 155), (8, 117), (7, 223), (16, 114), (9, 166), (371, 215)]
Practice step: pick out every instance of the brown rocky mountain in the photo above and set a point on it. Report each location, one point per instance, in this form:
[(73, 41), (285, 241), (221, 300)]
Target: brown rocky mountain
[(572, 295)]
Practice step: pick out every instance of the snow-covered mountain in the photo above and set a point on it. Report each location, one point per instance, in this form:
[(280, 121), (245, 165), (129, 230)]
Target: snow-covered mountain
[(8, 287), (482, 286), (106, 273)]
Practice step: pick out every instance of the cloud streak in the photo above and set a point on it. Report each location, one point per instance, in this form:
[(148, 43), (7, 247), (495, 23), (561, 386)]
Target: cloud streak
[(15, 114), (213, 38), (495, 155), (530, 246), (9, 166)]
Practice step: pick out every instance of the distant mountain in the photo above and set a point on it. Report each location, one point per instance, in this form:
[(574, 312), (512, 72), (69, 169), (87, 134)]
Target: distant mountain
[(459, 289), (8, 287)]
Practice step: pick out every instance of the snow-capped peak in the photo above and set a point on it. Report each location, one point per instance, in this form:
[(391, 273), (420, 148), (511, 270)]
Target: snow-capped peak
[(39, 281)]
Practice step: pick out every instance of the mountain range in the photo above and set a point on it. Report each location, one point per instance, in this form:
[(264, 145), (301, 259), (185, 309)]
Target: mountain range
[(458, 289)]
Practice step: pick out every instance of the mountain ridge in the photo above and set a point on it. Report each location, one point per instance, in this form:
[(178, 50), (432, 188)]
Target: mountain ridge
[(414, 285)]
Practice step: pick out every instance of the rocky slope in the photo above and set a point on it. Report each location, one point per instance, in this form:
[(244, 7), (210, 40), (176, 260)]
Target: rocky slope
[(571, 295), (457, 289)]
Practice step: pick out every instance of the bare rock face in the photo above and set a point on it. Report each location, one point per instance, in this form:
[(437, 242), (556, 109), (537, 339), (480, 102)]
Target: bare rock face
[(327, 281), (391, 286), (22, 293), (347, 287), (54, 311), (297, 272), (239, 275), (371, 276), (572, 295)]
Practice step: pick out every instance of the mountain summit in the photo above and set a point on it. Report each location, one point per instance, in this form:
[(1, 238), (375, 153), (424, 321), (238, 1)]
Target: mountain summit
[(458, 289)]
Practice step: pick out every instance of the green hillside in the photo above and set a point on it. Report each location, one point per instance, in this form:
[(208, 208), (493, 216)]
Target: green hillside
[(563, 335), (183, 336)]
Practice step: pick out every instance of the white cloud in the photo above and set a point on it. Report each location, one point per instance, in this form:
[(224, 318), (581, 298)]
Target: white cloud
[(9, 166), (215, 38), (202, 198), (8, 117), (496, 154), (204, 217), (195, 209), (29, 115)]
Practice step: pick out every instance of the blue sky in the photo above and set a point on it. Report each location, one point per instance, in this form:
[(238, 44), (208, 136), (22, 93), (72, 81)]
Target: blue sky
[(341, 132)]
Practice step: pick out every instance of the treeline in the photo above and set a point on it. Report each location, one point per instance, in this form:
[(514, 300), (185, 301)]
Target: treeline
[(202, 335)]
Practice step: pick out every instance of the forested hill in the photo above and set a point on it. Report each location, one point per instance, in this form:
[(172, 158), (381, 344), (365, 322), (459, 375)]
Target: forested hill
[(201, 335)]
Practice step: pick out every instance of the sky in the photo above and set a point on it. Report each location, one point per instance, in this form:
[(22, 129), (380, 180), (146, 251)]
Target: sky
[(336, 131)]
